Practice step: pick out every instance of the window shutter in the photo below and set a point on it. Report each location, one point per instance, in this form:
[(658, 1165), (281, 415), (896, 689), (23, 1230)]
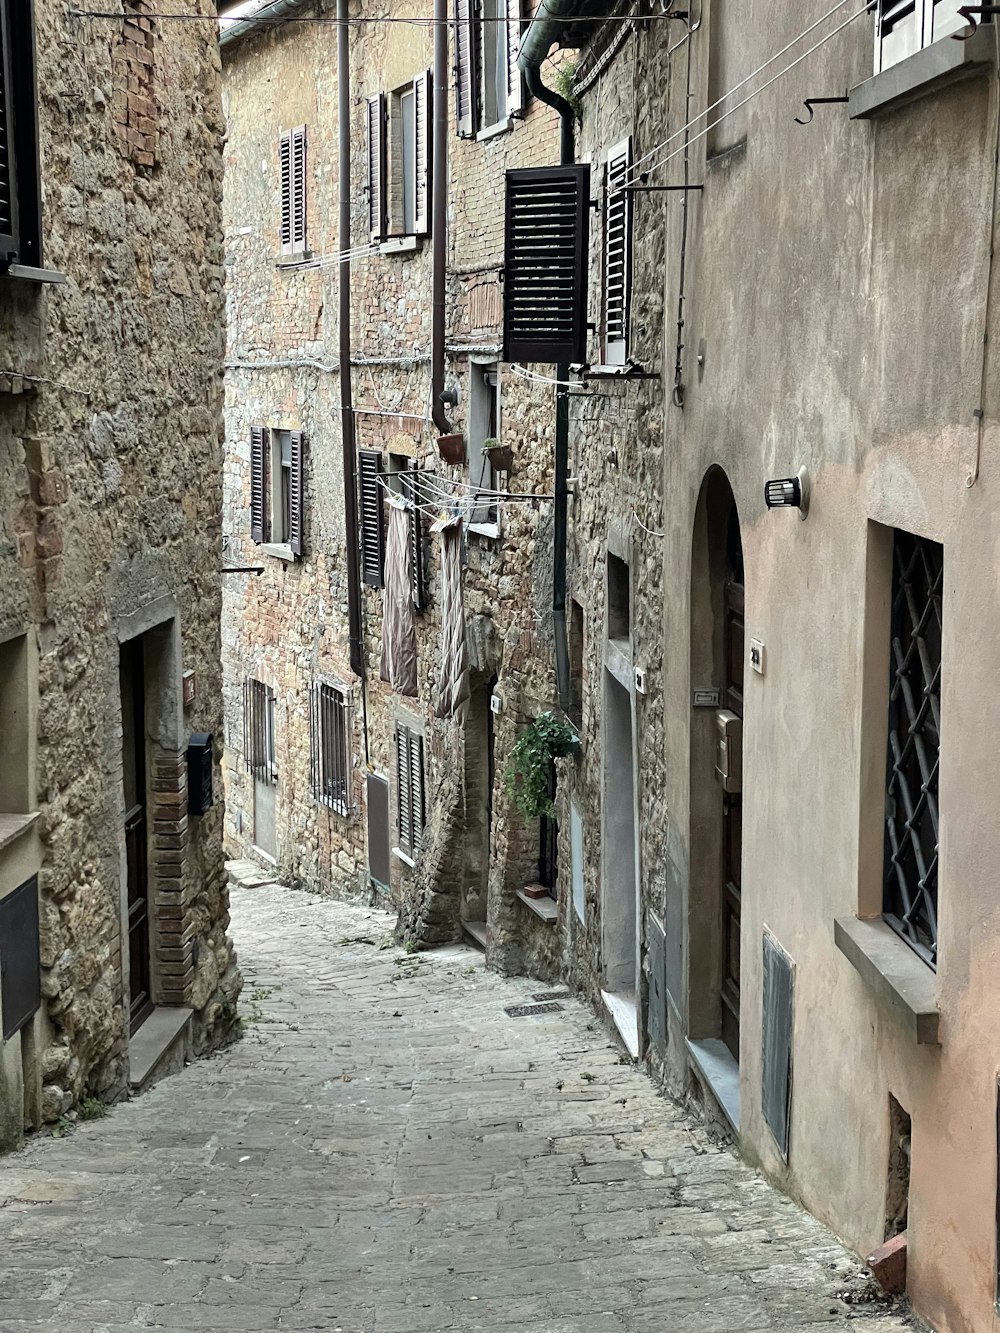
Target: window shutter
[(466, 81), (296, 495), (376, 167), (417, 811), (776, 1041), (9, 231), (285, 165), (422, 153), (617, 254), (404, 807), (257, 483), (515, 83), (418, 582), (545, 279), (372, 517), (298, 189)]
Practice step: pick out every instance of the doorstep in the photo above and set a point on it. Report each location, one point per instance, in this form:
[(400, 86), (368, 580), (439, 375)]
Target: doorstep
[(478, 932), (625, 1012), (159, 1046), (721, 1074)]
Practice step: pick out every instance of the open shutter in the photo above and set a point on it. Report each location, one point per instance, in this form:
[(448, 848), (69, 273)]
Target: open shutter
[(285, 172), (422, 153), (372, 517), (296, 495), (377, 220), (617, 254), (418, 812), (515, 83), (298, 189), (546, 260), (466, 81), (257, 483), (404, 807), (9, 231)]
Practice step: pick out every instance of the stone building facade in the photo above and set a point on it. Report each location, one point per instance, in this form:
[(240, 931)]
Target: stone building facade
[(113, 899)]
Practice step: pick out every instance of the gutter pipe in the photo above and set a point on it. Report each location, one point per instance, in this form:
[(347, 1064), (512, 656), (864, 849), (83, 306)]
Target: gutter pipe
[(543, 30), (439, 213), (267, 14)]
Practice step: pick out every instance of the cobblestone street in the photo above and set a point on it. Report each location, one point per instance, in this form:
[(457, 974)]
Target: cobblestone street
[(388, 1151)]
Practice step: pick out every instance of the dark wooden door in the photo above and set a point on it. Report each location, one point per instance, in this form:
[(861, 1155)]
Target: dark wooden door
[(136, 830), (732, 817)]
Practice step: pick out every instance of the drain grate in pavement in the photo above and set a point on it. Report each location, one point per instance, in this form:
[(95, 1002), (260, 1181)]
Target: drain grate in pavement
[(523, 1010), (553, 995)]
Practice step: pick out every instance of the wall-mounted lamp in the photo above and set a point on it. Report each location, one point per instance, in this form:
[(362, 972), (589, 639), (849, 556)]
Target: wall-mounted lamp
[(789, 493)]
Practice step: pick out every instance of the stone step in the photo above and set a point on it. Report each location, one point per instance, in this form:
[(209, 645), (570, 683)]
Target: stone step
[(477, 932)]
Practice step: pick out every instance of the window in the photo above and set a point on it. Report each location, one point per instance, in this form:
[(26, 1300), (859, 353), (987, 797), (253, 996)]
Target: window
[(399, 155), (548, 842), (617, 255), (371, 511), (484, 425), (258, 731), (276, 488), (903, 27), (15, 784), (410, 810), (489, 88), (619, 602), (576, 648), (20, 189), (292, 159), (910, 867), (546, 247), (330, 746)]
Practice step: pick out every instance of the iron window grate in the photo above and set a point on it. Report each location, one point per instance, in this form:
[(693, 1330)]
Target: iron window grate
[(910, 880), (258, 731), (329, 734)]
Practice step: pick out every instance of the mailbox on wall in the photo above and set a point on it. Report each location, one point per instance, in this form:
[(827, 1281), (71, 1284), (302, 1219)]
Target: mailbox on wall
[(199, 773)]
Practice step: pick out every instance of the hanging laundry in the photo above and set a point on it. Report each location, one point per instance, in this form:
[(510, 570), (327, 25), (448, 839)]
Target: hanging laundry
[(454, 691), (399, 636)]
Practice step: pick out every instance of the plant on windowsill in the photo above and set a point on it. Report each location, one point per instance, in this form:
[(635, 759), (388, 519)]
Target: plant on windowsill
[(526, 775), (500, 455)]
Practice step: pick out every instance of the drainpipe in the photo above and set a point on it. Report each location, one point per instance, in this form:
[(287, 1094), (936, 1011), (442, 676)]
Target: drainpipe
[(346, 402), (542, 32), (439, 213)]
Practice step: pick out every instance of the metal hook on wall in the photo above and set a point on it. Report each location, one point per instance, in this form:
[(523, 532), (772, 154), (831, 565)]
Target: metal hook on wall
[(969, 13), (812, 102)]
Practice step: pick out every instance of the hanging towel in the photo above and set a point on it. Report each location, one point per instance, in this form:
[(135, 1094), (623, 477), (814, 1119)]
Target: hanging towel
[(399, 635), (454, 659)]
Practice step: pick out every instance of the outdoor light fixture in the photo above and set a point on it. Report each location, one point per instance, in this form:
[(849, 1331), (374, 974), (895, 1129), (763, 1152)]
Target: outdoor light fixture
[(788, 493)]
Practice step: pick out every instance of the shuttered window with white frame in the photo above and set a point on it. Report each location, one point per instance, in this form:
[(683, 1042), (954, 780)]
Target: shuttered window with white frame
[(292, 159), (330, 746), (617, 254), (466, 74), (377, 173), (410, 800), (489, 87)]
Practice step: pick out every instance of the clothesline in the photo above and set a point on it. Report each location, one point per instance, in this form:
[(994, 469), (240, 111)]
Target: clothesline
[(434, 499)]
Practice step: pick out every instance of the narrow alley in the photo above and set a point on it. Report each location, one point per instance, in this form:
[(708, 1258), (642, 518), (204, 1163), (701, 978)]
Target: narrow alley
[(391, 1149)]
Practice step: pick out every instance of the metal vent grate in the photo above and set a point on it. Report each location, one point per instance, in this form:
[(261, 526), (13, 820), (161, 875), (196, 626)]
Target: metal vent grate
[(911, 807), (553, 995), (545, 279), (525, 1010)]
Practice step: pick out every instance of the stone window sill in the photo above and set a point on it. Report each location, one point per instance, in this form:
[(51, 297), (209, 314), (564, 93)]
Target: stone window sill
[(298, 260), (491, 131), (13, 826), (489, 530), (923, 73), (400, 245), (26, 273), (546, 909), (893, 972), (406, 860), (279, 550)]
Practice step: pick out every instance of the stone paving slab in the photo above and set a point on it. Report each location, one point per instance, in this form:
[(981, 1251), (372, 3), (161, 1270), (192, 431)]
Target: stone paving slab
[(387, 1151)]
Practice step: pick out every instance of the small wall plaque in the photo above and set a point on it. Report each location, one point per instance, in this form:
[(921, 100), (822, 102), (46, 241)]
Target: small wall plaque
[(188, 686), (705, 698)]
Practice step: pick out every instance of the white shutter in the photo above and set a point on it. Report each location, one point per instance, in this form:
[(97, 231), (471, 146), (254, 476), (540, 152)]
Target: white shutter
[(422, 153), (376, 167), (617, 254), (404, 816), (515, 84), (466, 81), (297, 198), (285, 173)]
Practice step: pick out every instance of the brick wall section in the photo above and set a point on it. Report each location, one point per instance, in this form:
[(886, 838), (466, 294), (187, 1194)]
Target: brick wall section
[(134, 100), (173, 969)]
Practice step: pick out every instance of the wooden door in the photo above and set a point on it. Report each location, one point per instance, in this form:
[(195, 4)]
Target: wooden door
[(732, 819), (136, 830)]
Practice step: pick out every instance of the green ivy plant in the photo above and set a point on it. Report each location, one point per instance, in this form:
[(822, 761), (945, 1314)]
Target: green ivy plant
[(526, 775)]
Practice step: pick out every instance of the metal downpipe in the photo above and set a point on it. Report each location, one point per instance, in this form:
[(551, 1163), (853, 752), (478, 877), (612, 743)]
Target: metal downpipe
[(439, 213)]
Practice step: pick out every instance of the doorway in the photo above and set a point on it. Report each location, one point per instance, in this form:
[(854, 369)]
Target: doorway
[(133, 699), (480, 776), (620, 908)]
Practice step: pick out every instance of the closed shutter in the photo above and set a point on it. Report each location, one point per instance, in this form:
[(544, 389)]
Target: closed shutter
[(416, 748), (377, 203), (9, 231), (257, 483), (515, 83), (372, 517), (285, 173), (404, 805), (378, 829), (466, 79), (617, 254), (545, 278), (776, 1041), (298, 189), (296, 495), (422, 153)]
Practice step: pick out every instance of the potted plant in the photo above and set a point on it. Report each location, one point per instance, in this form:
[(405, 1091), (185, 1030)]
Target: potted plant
[(500, 455), (526, 775)]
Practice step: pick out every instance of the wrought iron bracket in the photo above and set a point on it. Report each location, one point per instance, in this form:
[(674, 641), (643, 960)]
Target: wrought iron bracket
[(243, 569), (970, 13), (656, 189), (812, 102)]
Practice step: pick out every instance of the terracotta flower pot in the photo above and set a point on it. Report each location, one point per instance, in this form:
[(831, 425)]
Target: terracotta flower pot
[(502, 457), (452, 448)]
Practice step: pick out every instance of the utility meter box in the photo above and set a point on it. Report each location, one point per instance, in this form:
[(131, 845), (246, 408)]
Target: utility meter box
[(200, 796), (729, 750)]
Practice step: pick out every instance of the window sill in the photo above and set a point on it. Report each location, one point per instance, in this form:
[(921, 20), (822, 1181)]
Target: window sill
[(406, 860), (13, 826), (901, 980), (491, 131), (280, 551), (546, 909), (923, 73), (26, 273), (401, 245), (297, 260), (489, 530)]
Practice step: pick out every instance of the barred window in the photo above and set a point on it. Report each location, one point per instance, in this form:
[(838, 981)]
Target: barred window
[(410, 805), (910, 881), (258, 730), (330, 747)]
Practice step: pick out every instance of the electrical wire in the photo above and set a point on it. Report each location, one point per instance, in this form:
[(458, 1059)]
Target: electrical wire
[(428, 22), (544, 379)]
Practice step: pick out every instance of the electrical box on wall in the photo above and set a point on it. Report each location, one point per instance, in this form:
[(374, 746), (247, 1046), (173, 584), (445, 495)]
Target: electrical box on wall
[(200, 796), (496, 704), (640, 680)]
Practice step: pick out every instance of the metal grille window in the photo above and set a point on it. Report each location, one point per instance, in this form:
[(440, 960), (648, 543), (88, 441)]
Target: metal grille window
[(292, 159), (410, 807), (330, 746), (911, 809), (258, 730)]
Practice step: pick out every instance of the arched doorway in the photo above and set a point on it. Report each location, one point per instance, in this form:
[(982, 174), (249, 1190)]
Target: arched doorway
[(716, 805)]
